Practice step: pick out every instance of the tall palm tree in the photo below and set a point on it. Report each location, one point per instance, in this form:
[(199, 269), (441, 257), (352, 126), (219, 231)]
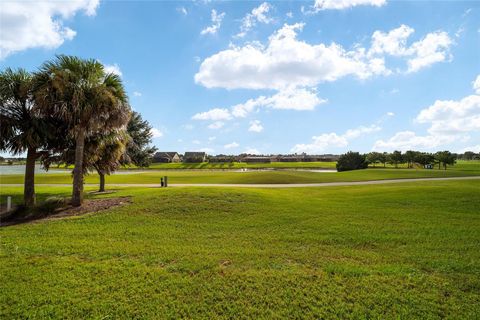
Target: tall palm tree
[(21, 128), (87, 98)]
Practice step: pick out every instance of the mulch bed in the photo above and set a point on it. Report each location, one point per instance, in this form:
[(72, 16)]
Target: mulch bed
[(89, 206)]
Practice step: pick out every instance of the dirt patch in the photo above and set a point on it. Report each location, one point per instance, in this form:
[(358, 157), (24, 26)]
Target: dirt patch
[(89, 206)]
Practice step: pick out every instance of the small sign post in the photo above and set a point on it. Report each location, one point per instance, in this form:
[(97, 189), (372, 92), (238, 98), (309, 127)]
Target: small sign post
[(165, 179), (9, 203)]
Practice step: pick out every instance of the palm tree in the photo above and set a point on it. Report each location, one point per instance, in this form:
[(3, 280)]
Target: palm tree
[(109, 152), (88, 99), (102, 153), (21, 128)]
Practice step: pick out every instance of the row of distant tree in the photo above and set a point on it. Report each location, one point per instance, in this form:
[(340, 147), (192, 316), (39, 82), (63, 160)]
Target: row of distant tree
[(355, 160), (72, 112)]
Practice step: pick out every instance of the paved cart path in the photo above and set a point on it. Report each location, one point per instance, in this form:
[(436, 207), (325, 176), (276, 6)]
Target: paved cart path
[(261, 185)]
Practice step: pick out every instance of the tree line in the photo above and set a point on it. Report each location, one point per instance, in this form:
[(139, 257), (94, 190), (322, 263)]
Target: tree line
[(72, 112), (354, 160)]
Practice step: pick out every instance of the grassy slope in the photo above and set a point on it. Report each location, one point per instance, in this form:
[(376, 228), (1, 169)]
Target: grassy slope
[(185, 176), (390, 251)]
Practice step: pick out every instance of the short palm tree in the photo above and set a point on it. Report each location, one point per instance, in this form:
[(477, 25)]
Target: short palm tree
[(103, 153), (83, 95), (109, 152), (21, 128)]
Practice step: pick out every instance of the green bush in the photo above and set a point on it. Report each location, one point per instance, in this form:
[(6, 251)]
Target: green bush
[(49, 206), (351, 161)]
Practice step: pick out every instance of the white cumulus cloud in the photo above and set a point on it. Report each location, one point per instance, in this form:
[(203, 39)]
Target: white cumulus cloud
[(321, 143), (452, 117), (232, 145), (409, 140), (284, 61), (156, 133), (113, 68), (251, 151), (288, 99), (333, 140), (432, 48), (448, 121), (255, 126), (476, 84), (39, 24), (216, 114)]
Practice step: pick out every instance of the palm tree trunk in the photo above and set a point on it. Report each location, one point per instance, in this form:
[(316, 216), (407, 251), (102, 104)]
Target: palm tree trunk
[(102, 181), (77, 193), (29, 184)]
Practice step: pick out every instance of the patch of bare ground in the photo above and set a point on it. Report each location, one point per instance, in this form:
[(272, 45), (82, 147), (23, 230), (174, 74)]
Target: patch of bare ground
[(88, 207)]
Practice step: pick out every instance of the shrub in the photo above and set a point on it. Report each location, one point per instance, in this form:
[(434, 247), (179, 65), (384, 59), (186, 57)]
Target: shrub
[(49, 206), (351, 161)]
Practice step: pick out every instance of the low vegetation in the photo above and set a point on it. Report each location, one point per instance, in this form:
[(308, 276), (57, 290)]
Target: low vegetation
[(351, 161)]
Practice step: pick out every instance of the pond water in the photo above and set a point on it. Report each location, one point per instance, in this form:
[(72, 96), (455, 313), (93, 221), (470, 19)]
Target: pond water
[(20, 169), (285, 169)]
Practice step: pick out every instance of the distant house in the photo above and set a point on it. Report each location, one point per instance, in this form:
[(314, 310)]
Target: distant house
[(291, 158), (166, 157), (275, 158), (257, 159), (221, 158), (194, 157), (320, 158)]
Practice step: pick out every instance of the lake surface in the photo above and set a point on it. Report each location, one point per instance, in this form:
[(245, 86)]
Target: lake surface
[(20, 169)]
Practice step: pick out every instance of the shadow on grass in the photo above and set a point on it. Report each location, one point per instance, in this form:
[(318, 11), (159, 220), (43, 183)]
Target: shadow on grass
[(56, 207)]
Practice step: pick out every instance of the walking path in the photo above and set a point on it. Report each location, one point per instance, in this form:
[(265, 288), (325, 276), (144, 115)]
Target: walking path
[(279, 185)]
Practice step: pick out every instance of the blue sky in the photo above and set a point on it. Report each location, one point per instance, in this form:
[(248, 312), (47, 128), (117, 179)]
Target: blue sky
[(274, 77)]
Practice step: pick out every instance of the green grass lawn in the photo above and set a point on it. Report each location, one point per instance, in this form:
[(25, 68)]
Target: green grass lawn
[(280, 176), (387, 251)]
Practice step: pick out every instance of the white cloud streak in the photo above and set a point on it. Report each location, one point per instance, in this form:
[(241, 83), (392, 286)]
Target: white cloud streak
[(216, 23), (321, 5), (258, 14)]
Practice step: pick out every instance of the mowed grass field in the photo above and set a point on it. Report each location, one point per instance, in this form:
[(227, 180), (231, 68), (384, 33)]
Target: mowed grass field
[(467, 168), (260, 177), (241, 165), (405, 251)]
